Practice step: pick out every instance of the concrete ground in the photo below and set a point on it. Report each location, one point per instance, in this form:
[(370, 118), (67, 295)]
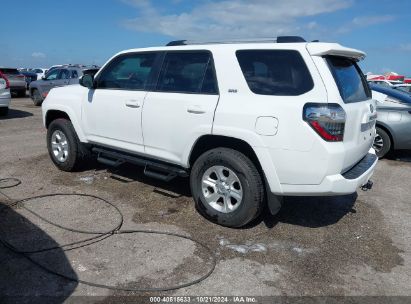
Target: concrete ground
[(357, 244)]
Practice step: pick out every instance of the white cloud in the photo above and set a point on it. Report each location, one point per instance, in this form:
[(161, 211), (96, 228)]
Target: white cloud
[(405, 47), (232, 18), (38, 55), (365, 21)]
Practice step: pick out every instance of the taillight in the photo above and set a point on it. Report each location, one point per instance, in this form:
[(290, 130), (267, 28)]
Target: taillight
[(328, 120), (5, 78)]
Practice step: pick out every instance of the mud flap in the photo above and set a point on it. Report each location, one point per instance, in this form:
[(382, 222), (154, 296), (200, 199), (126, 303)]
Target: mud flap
[(274, 202)]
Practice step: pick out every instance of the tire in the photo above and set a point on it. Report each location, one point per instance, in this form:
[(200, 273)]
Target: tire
[(61, 136), (36, 97), (21, 93), (238, 167), (4, 111), (382, 143)]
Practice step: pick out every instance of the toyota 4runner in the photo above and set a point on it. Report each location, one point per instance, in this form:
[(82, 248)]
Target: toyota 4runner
[(248, 121)]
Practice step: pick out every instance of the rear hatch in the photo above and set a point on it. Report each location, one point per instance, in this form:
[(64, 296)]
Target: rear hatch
[(354, 96), (14, 76)]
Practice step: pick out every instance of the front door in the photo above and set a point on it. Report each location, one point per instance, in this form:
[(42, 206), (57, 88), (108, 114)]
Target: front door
[(112, 111), (49, 82)]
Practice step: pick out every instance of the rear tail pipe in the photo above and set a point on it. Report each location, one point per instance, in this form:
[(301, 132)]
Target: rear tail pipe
[(367, 186)]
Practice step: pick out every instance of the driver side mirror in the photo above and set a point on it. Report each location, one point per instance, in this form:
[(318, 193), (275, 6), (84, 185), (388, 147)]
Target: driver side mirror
[(87, 81)]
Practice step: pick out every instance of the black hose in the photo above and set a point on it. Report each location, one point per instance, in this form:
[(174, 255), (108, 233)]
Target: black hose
[(98, 237), (15, 183)]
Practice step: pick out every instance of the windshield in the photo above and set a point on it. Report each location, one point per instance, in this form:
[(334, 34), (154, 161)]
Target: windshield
[(350, 80)]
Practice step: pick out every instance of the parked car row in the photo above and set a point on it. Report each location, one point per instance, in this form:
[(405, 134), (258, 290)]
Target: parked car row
[(58, 76), (17, 81), (38, 81)]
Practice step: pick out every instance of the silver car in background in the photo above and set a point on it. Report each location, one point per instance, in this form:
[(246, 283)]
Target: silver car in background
[(394, 119), (4, 95), (17, 81)]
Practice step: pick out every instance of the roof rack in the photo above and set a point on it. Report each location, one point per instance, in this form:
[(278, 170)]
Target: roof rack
[(280, 39)]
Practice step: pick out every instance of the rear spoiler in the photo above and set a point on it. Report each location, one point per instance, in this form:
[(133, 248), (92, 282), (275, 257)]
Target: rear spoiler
[(334, 49)]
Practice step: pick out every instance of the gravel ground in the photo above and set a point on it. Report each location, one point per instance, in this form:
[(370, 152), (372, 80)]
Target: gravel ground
[(350, 245)]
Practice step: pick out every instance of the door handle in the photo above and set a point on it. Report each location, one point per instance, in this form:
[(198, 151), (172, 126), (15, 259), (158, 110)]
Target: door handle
[(195, 109), (132, 103)]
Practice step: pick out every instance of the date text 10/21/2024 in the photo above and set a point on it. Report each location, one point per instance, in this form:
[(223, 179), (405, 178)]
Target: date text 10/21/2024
[(203, 299)]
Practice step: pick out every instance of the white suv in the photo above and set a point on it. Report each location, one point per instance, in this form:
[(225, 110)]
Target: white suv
[(249, 121)]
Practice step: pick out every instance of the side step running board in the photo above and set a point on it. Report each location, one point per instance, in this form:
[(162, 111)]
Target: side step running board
[(152, 168)]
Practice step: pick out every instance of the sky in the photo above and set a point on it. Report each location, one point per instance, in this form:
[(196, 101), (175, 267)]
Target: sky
[(47, 32)]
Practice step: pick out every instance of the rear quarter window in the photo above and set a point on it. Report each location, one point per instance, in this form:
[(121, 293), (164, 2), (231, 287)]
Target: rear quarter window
[(275, 72)]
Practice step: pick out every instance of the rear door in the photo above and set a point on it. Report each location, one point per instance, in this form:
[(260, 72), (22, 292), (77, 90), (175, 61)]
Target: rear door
[(74, 76), (360, 109), (181, 108), (63, 79)]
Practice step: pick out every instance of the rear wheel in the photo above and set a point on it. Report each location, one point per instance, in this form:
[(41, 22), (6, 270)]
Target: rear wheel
[(4, 111), (382, 143), (227, 187), (36, 97), (65, 149)]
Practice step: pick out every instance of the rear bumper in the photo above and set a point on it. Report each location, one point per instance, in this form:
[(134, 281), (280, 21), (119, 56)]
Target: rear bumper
[(18, 88), (338, 184), (5, 100)]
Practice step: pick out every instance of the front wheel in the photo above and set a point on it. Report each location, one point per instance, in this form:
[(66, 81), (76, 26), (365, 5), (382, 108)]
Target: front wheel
[(65, 149), (36, 97), (227, 187), (382, 143)]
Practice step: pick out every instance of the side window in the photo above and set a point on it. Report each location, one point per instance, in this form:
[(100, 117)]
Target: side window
[(275, 72), (130, 71), (65, 74), (53, 74), (74, 74), (187, 72)]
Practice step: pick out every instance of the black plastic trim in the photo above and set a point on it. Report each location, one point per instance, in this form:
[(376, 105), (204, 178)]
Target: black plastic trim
[(361, 167), (115, 156)]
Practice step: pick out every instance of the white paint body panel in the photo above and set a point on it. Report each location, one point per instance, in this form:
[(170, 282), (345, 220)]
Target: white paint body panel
[(113, 118), (172, 122)]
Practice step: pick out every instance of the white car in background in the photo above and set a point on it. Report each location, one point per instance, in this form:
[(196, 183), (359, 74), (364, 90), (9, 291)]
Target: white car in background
[(5, 96), (41, 72)]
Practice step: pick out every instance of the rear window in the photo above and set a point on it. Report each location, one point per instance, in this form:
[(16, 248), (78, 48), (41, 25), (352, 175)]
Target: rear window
[(350, 80), (275, 72), (10, 71)]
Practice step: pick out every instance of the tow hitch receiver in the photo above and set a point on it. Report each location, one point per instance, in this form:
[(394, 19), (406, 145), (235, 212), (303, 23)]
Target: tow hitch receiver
[(367, 186)]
